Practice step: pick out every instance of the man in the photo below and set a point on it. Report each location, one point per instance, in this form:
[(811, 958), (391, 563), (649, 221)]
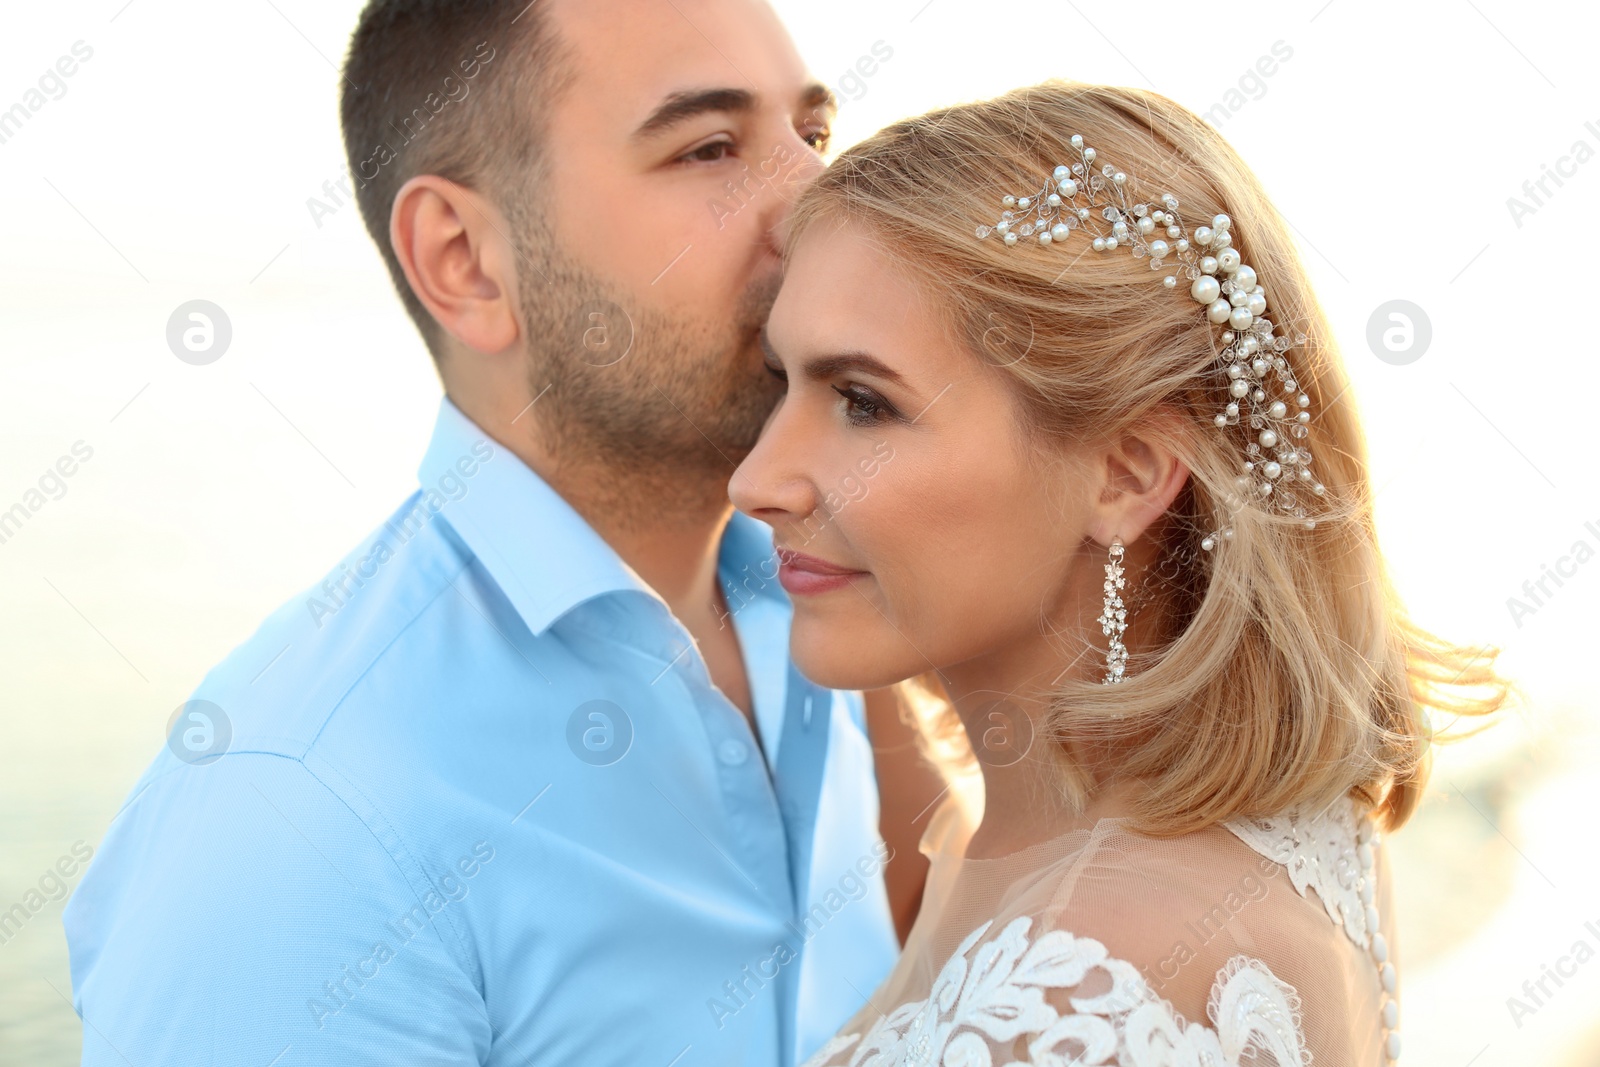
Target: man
[(529, 778)]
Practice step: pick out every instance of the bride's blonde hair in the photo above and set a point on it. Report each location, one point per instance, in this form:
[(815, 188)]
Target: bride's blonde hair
[(1288, 672)]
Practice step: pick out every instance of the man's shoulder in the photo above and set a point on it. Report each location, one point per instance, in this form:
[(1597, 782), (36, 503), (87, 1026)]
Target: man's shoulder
[(275, 692)]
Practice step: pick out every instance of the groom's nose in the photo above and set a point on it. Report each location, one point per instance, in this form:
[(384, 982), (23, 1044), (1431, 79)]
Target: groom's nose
[(803, 166)]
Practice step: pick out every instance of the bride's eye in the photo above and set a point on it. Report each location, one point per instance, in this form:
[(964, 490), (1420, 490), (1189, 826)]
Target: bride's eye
[(864, 407)]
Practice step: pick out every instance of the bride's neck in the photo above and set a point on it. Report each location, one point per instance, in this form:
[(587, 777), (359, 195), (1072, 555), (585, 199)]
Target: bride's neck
[(1024, 802)]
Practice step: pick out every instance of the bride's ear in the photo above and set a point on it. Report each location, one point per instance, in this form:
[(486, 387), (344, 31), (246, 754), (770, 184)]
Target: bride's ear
[(1139, 477)]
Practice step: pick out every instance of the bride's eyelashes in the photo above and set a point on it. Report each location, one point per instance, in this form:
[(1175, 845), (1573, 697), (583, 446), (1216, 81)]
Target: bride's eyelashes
[(863, 407)]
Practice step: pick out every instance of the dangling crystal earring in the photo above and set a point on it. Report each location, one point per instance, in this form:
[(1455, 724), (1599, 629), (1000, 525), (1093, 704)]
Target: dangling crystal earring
[(1114, 616)]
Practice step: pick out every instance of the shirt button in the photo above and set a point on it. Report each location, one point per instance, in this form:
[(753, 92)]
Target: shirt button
[(733, 752)]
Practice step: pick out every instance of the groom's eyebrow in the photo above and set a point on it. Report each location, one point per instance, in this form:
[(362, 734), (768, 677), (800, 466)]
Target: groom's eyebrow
[(687, 104)]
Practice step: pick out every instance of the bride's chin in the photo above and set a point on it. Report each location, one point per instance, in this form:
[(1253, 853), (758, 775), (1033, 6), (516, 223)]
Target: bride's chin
[(837, 665)]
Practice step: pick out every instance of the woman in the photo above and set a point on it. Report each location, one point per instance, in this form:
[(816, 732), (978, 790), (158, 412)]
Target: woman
[(1111, 504)]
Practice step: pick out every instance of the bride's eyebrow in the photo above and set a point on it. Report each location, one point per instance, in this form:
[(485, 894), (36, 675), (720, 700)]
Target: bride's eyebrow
[(822, 368)]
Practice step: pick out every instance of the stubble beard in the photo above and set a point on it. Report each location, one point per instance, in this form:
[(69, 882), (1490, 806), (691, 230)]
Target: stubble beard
[(643, 400)]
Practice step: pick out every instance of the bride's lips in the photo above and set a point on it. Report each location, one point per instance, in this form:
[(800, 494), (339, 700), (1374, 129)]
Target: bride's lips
[(799, 573)]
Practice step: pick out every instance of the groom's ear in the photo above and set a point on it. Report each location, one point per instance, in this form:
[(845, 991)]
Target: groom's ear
[(452, 246)]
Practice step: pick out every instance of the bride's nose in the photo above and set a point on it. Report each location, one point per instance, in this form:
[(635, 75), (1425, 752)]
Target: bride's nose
[(772, 483)]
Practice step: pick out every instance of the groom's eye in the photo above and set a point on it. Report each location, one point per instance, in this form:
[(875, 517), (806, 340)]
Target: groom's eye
[(710, 152), (776, 370), (819, 139)]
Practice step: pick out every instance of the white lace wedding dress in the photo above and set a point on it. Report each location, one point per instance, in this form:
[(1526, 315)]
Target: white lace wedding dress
[(1259, 942)]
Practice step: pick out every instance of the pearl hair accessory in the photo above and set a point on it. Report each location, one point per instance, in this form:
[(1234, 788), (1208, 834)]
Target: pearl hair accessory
[(1277, 462)]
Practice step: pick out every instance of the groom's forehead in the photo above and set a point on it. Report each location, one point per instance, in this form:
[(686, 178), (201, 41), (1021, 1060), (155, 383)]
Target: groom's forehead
[(637, 55)]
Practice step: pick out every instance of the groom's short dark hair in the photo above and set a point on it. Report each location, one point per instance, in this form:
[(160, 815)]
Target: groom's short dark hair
[(457, 88)]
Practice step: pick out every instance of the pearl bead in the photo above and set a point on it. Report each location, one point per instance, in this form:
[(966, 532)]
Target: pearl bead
[(1221, 420), (1219, 311), (1380, 947), (1024, 203), (1170, 282), (1235, 371), (1069, 188), (1208, 265), (1232, 410), (1391, 1014), (1119, 177), (1278, 409), (1303, 417), (1244, 276), (1271, 468), (1054, 199), (1259, 367), (1241, 318), (1060, 231), (1222, 240), (1044, 237), (1257, 304), (1147, 225), (1238, 298), (1228, 260), (1239, 388), (1077, 140), (1220, 223), (1304, 401), (1268, 438), (1391, 980), (1002, 226), (1183, 242), (1205, 289), (1111, 242), (1088, 154), (1208, 543), (1174, 231), (1011, 238), (1060, 173), (1393, 1045), (1099, 244), (1202, 236), (1008, 201)]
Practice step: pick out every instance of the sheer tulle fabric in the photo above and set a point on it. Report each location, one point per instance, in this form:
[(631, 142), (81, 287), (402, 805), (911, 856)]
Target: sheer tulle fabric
[(1103, 946)]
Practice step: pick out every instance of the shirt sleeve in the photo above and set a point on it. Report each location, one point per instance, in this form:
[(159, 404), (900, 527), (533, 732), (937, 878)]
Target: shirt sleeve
[(241, 912)]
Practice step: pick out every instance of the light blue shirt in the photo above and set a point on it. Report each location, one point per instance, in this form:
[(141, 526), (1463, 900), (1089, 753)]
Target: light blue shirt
[(478, 802)]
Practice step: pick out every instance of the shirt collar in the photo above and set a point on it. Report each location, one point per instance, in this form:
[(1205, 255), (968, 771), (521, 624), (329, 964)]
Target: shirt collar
[(542, 553)]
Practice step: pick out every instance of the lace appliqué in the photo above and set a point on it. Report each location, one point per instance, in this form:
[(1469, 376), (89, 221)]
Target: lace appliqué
[(1330, 852), (986, 998)]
